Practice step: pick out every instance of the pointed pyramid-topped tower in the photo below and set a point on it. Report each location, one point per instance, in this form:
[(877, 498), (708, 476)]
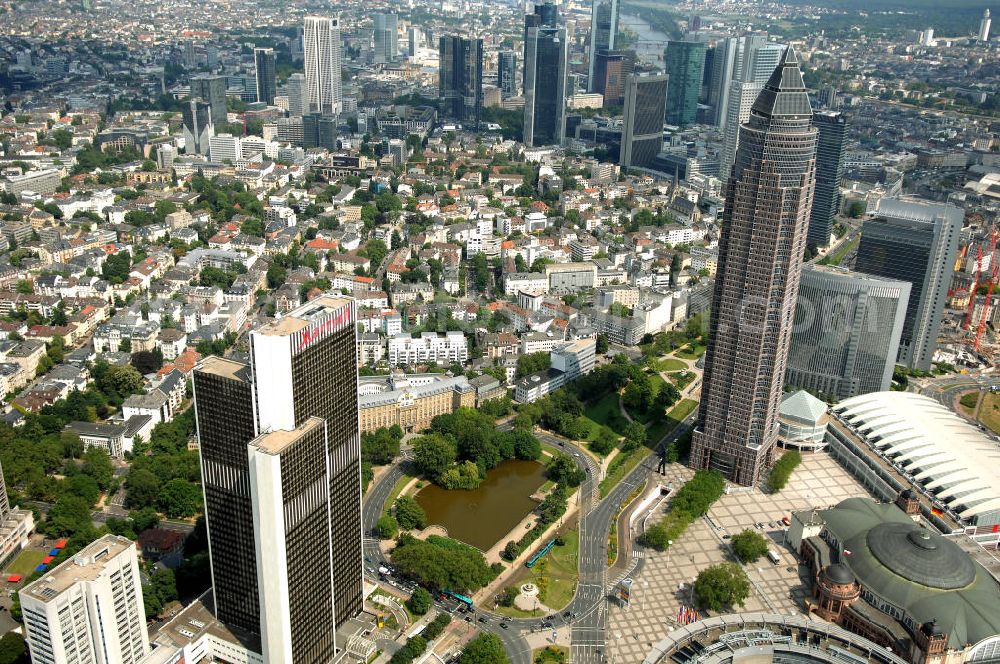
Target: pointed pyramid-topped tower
[(764, 228)]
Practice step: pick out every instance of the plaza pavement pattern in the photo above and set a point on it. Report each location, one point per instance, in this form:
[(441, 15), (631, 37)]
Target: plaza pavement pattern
[(663, 581)]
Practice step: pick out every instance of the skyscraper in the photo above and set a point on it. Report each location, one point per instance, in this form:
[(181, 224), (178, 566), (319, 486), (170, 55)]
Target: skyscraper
[(603, 29), (545, 86), (832, 139), (916, 242), (414, 40), (507, 73), (211, 89), (321, 44), (609, 75), (545, 15), (739, 100), (760, 258), (684, 64), (385, 38), (642, 121), (721, 78), (281, 474), (847, 328), (298, 99), (264, 65), (984, 26), (198, 126), (88, 608), (460, 77)]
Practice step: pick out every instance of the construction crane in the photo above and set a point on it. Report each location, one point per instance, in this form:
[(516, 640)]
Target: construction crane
[(995, 272)]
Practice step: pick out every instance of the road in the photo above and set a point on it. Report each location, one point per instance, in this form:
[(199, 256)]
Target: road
[(588, 609), (116, 512)]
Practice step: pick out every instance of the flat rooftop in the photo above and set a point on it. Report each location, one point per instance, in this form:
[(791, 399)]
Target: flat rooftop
[(220, 366), (302, 316), (275, 442), (86, 565)]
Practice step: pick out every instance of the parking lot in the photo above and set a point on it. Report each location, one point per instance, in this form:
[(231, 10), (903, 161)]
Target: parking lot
[(664, 582)]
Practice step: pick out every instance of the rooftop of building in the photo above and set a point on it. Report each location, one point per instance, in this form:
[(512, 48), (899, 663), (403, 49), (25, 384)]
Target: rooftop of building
[(220, 366), (803, 407), (304, 315), (86, 565), (276, 442)]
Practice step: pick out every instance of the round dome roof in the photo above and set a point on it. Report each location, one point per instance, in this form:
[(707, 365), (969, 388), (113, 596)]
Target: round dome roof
[(920, 556), (839, 573)]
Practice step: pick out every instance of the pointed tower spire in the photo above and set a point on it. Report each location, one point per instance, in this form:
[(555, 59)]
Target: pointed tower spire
[(784, 94)]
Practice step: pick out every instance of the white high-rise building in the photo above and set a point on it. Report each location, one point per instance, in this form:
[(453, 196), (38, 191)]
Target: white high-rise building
[(88, 609), (984, 26), (385, 38), (927, 37), (321, 39), (298, 95), (741, 97)]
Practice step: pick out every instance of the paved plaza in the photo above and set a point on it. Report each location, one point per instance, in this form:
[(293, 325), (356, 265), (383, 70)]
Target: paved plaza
[(663, 582)]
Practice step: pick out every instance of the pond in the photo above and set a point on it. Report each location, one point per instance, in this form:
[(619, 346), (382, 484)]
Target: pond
[(481, 517)]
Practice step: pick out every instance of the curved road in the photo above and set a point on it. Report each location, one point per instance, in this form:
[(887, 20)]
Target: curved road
[(588, 607)]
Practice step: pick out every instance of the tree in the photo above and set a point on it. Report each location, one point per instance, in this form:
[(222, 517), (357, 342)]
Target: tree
[(142, 489), (561, 469), (12, 649), (387, 527), (782, 470), (433, 454), (381, 446), (409, 514), (121, 381), (147, 361), (531, 363), (602, 344), (526, 446), (180, 498), (635, 436), (749, 546), (605, 441), (70, 514), (722, 585), (420, 601), (639, 394), (656, 537), (443, 563), (97, 464), (486, 648)]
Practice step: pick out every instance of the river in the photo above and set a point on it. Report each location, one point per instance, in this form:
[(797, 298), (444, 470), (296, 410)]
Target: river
[(651, 42)]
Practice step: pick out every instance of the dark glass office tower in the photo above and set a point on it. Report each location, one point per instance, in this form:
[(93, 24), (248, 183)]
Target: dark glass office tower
[(198, 126), (460, 77), (211, 89), (917, 242), (546, 15), (267, 85), (507, 73), (764, 226), (829, 167), (302, 463), (685, 62), (603, 29), (642, 131), (545, 87), (224, 415), (610, 72)]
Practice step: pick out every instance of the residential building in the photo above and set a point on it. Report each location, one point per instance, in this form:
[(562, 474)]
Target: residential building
[(642, 122), (685, 65), (832, 128), (566, 364), (291, 580), (847, 330), (321, 44), (460, 77), (88, 608), (914, 241), (429, 348), (756, 287), (545, 67)]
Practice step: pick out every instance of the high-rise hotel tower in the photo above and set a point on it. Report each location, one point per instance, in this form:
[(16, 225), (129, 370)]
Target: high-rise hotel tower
[(764, 229), (282, 478)]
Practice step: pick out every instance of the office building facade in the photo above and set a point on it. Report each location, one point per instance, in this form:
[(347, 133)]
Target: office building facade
[(281, 471), (460, 77), (685, 62), (545, 86), (832, 127), (507, 73), (917, 242), (321, 45), (264, 65), (545, 15), (298, 98), (609, 75), (198, 126), (847, 329), (645, 107), (88, 608), (385, 38), (760, 257), (211, 89), (603, 30)]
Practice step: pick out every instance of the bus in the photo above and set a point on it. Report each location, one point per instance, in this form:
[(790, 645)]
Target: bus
[(467, 601)]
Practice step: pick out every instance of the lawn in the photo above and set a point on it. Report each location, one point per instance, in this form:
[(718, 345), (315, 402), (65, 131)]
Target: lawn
[(555, 575), (676, 415), (671, 364), (550, 655), (621, 466), (968, 402), (691, 351), (836, 257), (989, 412), (682, 379), (26, 562), (397, 489), (604, 412)]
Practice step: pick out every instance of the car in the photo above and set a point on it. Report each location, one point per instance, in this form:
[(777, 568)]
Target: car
[(468, 619), (726, 536), (483, 619), (566, 614), (503, 625)]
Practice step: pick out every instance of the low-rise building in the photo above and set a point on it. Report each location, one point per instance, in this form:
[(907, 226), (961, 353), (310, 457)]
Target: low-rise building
[(411, 401)]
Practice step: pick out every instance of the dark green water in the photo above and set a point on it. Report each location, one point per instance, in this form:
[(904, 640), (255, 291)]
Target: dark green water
[(483, 516)]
